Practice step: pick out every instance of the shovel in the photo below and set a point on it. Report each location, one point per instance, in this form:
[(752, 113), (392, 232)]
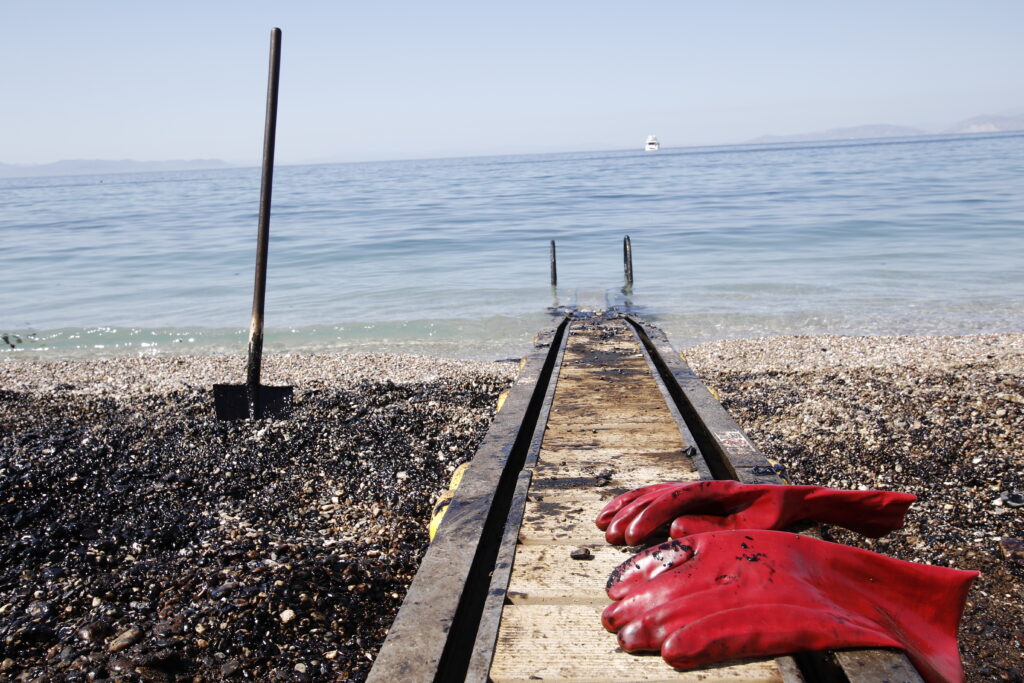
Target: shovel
[(252, 400)]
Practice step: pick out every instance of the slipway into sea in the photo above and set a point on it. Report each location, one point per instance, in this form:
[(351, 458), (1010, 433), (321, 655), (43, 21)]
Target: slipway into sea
[(513, 585)]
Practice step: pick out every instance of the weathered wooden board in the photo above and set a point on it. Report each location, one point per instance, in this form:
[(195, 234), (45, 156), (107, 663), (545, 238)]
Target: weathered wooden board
[(619, 474), (562, 643), (547, 574), (564, 517)]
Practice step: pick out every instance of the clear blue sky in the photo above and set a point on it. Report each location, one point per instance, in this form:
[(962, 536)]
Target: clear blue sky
[(388, 80)]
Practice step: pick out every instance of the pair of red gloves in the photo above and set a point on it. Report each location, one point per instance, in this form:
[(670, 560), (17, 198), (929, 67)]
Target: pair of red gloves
[(728, 586)]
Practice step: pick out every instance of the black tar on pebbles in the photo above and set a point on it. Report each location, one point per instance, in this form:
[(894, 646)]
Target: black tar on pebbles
[(141, 539)]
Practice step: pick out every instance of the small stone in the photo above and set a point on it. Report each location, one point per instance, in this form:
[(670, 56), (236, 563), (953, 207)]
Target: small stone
[(300, 667), (9, 663), (93, 631), (230, 668), (330, 654), (125, 639), (39, 609), (287, 616), (1013, 549), (119, 665), (1014, 499), (581, 554)]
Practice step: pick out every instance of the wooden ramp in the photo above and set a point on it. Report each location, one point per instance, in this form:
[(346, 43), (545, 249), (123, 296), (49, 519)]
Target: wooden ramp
[(609, 431), (602, 406)]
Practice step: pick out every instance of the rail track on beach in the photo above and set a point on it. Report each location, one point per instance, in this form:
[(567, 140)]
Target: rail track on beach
[(513, 584)]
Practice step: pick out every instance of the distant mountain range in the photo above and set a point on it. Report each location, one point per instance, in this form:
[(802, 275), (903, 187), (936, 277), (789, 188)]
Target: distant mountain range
[(989, 123), (97, 166)]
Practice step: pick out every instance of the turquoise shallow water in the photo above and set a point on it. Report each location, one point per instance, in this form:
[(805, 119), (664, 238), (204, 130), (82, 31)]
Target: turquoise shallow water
[(450, 257)]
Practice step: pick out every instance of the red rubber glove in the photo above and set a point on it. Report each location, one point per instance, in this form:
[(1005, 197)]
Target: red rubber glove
[(736, 594), (701, 506)]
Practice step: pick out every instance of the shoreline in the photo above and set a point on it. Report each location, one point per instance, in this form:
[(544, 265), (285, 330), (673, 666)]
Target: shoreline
[(284, 548)]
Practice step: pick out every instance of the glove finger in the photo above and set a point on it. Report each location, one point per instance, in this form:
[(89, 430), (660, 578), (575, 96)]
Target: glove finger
[(644, 631), (712, 505), (767, 630), (651, 521), (646, 565), (616, 531), (612, 507), (871, 513), (688, 525)]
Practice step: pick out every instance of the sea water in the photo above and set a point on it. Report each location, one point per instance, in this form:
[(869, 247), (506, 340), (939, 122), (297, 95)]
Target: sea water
[(451, 256)]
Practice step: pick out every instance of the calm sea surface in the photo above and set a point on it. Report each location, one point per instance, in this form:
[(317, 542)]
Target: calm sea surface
[(450, 257)]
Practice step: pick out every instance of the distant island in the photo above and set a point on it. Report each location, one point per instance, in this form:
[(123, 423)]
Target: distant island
[(989, 123), (105, 166)]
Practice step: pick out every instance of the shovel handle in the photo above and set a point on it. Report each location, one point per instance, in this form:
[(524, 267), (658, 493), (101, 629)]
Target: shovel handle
[(266, 184)]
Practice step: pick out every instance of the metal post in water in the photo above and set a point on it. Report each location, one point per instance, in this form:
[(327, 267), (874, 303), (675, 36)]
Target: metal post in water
[(554, 266), (252, 378), (627, 260)]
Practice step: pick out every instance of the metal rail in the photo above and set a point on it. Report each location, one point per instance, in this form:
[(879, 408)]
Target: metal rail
[(431, 638)]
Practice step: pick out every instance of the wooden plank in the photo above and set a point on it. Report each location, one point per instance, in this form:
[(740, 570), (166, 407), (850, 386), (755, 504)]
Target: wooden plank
[(621, 475), (868, 666), (546, 574), (650, 411), (626, 441), (567, 643), (675, 457), (564, 517)]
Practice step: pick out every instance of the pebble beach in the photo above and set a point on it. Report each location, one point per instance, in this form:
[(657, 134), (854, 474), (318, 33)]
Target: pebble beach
[(141, 539), (144, 540)]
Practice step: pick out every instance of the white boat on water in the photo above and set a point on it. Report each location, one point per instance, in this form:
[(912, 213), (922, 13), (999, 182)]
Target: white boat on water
[(652, 144)]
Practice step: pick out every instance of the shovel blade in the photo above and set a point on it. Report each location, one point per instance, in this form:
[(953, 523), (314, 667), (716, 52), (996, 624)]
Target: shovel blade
[(231, 402)]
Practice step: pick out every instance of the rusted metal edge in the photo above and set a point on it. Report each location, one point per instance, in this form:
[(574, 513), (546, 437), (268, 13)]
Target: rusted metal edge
[(699, 461), (729, 452), (738, 458), (439, 616), (485, 643), (490, 620)]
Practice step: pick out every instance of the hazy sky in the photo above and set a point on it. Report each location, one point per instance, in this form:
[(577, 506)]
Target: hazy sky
[(386, 80)]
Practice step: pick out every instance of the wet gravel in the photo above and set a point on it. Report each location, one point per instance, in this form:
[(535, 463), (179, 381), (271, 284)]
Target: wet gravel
[(141, 539), (940, 417)]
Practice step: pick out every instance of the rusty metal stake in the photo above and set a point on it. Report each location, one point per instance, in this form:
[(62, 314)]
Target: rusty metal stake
[(627, 260), (554, 266)]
